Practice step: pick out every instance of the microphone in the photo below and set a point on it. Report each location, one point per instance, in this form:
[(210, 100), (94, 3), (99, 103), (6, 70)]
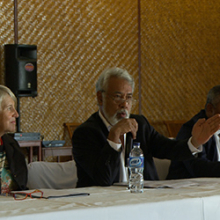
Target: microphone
[(128, 147)]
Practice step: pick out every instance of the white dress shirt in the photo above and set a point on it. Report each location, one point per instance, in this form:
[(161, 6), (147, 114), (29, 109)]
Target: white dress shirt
[(123, 173)]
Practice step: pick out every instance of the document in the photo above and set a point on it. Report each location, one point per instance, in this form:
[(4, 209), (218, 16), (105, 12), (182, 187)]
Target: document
[(180, 183), (175, 184)]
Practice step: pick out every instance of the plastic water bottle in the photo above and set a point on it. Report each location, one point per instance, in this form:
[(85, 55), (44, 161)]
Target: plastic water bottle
[(136, 168)]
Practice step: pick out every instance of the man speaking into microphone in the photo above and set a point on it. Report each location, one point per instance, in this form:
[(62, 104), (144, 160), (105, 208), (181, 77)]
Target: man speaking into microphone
[(99, 143)]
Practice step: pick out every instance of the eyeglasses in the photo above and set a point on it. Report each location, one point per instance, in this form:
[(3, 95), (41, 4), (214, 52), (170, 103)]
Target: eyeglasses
[(23, 195), (119, 99)]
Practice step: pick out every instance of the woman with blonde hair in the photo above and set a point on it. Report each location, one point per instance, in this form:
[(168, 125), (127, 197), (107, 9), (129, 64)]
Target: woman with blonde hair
[(13, 169)]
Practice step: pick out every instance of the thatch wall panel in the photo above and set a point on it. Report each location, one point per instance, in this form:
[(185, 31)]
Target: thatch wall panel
[(76, 40)]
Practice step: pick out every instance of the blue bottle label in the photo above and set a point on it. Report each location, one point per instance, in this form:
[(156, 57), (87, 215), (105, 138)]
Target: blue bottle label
[(137, 162)]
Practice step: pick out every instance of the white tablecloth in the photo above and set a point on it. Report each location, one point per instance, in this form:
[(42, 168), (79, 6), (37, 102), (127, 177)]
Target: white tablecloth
[(200, 201)]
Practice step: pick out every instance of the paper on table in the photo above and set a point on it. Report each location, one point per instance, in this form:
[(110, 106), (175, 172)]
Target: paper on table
[(180, 183), (53, 193), (165, 183)]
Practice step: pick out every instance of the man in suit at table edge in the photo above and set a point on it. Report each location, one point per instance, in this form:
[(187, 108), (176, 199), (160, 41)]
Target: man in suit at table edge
[(206, 163), (97, 146)]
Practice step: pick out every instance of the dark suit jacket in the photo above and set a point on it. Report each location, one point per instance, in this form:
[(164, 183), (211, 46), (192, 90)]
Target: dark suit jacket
[(205, 165), (16, 161), (98, 163)]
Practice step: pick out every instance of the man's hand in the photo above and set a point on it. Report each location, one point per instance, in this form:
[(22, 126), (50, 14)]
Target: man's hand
[(123, 126), (204, 129)]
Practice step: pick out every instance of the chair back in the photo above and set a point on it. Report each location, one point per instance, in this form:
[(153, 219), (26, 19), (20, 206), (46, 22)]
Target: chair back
[(162, 167), (173, 127), (71, 126), (52, 175)]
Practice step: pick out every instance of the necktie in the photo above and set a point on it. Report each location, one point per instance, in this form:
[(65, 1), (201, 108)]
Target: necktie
[(122, 141)]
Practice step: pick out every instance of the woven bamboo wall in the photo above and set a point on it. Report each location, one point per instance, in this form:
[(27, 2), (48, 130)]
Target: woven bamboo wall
[(180, 57), (76, 40)]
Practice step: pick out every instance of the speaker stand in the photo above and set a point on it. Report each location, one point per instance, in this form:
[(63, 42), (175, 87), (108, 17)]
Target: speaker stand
[(18, 119)]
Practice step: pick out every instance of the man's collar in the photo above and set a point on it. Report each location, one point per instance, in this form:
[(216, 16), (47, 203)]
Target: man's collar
[(107, 124), (217, 133)]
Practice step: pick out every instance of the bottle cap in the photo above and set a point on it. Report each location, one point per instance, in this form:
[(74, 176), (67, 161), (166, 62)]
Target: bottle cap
[(136, 144)]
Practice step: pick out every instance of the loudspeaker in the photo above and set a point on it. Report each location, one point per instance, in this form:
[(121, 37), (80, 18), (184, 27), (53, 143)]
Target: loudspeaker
[(21, 69)]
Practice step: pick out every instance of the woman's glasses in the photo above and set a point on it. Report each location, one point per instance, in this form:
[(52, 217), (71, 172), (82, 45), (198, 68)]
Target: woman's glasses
[(23, 195)]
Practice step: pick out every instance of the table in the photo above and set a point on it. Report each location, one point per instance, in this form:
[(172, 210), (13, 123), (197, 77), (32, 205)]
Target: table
[(199, 201), (56, 151), (31, 145)]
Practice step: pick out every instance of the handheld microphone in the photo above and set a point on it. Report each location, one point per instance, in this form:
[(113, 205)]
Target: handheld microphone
[(128, 147)]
